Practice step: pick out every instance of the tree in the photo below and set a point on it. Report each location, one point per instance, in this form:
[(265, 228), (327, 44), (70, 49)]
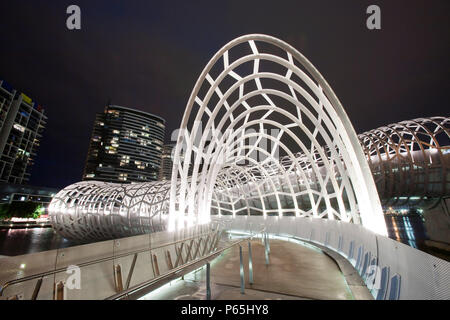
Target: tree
[(20, 209)]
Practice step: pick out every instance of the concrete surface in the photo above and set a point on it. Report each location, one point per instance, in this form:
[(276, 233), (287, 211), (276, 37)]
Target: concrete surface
[(294, 272), (354, 281)]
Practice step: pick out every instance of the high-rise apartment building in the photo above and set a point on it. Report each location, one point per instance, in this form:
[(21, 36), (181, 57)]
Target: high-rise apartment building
[(165, 172), (22, 122), (166, 162), (126, 146)]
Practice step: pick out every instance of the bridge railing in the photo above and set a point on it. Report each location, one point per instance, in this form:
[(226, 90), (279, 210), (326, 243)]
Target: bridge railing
[(103, 269), (135, 290), (392, 270)]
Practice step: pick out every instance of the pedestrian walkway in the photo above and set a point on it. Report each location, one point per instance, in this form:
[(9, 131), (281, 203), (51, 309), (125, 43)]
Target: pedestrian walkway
[(294, 272)]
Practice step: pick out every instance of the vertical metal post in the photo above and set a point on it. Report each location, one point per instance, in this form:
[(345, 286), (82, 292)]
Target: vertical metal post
[(155, 265), (169, 260), (242, 270), (59, 294), (130, 274), (268, 244), (266, 251), (36, 289), (250, 263), (118, 277), (208, 281)]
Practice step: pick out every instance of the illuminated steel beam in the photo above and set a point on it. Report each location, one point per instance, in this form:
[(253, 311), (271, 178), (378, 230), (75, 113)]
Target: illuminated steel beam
[(259, 82)]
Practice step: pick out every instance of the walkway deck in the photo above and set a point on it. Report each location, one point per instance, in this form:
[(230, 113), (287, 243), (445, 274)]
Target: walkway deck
[(295, 272)]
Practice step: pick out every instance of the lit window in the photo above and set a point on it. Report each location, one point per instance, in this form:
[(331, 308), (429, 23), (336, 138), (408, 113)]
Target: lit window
[(124, 161), (19, 127), (143, 142), (130, 133), (115, 113), (140, 165)]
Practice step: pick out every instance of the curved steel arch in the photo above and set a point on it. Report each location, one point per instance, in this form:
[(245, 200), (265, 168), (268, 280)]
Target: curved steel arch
[(95, 210), (409, 160), (413, 155), (321, 170), (243, 95)]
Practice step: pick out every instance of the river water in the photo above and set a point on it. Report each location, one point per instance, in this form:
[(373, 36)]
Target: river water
[(406, 229), (22, 241)]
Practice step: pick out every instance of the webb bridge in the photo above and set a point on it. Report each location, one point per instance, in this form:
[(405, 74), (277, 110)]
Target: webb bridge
[(264, 144)]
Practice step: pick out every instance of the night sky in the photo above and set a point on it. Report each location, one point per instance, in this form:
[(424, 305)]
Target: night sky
[(148, 54)]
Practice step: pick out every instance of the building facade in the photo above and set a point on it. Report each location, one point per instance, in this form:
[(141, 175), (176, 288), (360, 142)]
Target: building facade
[(126, 146), (165, 172), (16, 192), (22, 122)]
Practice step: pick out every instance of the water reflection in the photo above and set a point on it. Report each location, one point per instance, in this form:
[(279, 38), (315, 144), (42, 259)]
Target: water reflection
[(408, 229), (22, 241)]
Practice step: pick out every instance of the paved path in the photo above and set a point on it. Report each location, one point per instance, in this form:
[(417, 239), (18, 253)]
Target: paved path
[(295, 272)]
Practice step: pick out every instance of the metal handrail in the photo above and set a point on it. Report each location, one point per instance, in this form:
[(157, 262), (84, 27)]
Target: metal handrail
[(174, 271), (84, 264)]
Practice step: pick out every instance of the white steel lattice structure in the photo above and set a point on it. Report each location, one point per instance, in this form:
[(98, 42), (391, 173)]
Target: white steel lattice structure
[(313, 166), (257, 83), (94, 210), (410, 160)]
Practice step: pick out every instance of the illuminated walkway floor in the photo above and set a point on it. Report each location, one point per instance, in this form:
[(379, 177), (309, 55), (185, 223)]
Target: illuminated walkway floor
[(295, 272)]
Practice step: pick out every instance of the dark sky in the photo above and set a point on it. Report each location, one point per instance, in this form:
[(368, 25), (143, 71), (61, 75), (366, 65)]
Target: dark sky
[(148, 55)]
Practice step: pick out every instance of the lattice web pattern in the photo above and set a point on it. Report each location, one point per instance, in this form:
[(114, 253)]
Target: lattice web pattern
[(410, 160), (262, 134), (254, 86), (94, 210)]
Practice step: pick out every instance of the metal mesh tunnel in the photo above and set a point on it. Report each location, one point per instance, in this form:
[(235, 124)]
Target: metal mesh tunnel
[(263, 134), (410, 160)]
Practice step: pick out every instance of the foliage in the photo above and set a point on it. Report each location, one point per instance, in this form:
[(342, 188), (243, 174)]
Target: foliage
[(20, 209)]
